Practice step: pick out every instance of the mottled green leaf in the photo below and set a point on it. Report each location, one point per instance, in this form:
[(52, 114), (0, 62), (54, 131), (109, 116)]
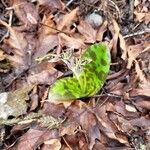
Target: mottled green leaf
[(90, 78)]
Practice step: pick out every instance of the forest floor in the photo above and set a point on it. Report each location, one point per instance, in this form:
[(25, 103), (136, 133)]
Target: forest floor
[(115, 118)]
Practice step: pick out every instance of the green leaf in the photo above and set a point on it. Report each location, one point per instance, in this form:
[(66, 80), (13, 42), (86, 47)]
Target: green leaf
[(89, 80)]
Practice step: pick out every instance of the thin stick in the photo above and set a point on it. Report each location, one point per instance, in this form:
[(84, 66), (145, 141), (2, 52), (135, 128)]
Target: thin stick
[(54, 28), (67, 143), (137, 33)]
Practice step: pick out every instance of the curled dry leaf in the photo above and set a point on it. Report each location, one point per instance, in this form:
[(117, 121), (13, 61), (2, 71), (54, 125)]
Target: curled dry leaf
[(123, 47), (101, 30), (115, 31)]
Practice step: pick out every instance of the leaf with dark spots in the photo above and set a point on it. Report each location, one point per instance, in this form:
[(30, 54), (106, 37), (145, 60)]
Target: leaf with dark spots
[(85, 82)]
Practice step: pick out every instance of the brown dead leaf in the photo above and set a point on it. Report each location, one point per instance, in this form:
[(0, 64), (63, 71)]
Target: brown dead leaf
[(140, 91), (67, 19), (89, 124), (53, 4), (142, 122), (48, 26), (101, 30), (46, 43), (17, 39), (134, 51), (53, 144), (120, 108), (55, 110), (87, 31), (115, 38), (107, 126), (71, 42), (47, 38), (123, 47), (125, 124), (140, 73), (2, 55), (143, 104), (140, 16), (18, 44), (34, 101), (34, 138), (76, 141), (44, 77), (43, 73), (73, 114), (26, 12)]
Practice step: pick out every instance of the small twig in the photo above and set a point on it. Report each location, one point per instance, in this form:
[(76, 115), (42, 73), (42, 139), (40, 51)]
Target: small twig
[(114, 4), (54, 28), (69, 3), (131, 3), (103, 102), (137, 33), (67, 143), (10, 22), (3, 2), (13, 7), (109, 95)]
